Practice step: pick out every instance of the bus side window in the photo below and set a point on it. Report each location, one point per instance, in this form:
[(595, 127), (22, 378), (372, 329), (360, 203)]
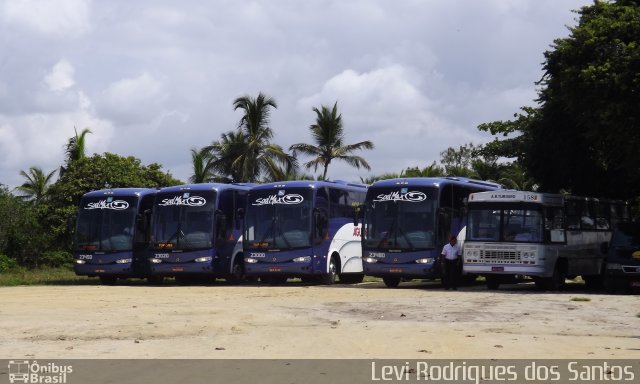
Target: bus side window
[(573, 217)]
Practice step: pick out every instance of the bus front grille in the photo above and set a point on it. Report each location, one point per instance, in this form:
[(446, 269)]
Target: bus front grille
[(491, 255)]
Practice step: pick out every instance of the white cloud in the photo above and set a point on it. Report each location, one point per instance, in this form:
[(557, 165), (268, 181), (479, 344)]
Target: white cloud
[(134, 100), (61, 76), (60, 17)]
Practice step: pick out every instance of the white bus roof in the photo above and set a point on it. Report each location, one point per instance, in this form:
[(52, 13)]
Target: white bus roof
[(506, 196)]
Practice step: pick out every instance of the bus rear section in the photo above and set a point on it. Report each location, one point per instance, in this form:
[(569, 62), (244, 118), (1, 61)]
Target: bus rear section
[(548, 237), (112, 233), (408, 221), (196, 233), (622, 271), (303, 229)]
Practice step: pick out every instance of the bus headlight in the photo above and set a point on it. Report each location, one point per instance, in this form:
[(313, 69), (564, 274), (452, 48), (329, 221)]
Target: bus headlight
[(427, 260), (123, 261), (154, 260), (250, 260), (370, 260), (302, 259), (203, 259), (79, 261)]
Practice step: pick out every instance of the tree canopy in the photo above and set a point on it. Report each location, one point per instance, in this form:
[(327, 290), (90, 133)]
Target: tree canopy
[(584, 134)]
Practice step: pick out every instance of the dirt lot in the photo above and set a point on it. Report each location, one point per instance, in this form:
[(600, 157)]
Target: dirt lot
[(419, 321)]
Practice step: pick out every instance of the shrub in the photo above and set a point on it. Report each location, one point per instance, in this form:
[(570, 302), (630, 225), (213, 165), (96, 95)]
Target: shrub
[(7, 263), (56, 259)]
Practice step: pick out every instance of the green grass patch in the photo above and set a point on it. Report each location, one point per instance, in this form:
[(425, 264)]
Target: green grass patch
[(43, 276), (580, 299)]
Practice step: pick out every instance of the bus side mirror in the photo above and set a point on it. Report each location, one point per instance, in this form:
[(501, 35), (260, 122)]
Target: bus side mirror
[(356, 211), (604, 247)]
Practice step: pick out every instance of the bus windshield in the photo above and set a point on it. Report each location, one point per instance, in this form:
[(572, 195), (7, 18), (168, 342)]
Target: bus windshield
[(105, 224), (183, 221), (279, 219), (522, 223), (400, 219)]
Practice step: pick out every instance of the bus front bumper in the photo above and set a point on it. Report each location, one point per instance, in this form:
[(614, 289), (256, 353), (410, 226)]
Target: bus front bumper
[(186, 268), (502, 269), (283, 269), (408, 270), (114, 269)]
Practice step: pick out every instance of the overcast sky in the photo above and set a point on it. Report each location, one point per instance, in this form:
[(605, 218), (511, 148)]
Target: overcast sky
[(153, 79)]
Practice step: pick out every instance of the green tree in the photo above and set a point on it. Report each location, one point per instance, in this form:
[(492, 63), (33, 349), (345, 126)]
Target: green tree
[(259, 156), (328, 134), (75, 148), (203, 166), (92, 173), (433, 170), (584, 134), (36, 186)]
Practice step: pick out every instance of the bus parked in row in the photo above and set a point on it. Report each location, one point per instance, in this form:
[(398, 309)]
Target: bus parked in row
[(111, 234), (303, 229), (196, 233), (407, 222), (549, 237)]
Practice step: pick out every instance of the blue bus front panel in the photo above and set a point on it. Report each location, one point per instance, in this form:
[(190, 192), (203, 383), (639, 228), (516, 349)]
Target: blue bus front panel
[(293, 263), (91, 264), (192, 262), (410, 265)]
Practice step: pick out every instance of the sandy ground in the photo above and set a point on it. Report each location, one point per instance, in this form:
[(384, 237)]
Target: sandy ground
[(419, 321)]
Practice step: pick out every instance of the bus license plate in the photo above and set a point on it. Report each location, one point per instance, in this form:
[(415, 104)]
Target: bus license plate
[(177, 269), (395, 270), (275, 269), (497, 269)]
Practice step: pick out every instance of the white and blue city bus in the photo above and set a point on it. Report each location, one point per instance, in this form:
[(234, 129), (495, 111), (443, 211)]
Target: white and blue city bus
[(196, 233), (407, 221), (111, 234), (548, 237), (303, 229)]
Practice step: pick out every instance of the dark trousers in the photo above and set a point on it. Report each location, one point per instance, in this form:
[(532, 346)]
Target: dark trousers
[(451, 273)]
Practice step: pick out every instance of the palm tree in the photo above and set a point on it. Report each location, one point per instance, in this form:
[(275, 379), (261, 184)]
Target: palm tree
[(202, 166), (37, 184), (76, 146), (515, 177), (259, 156), (328, 133)]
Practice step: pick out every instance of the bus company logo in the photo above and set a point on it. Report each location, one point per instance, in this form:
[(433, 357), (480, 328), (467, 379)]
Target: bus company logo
[(503, 196), (23, 371), (284, 199), (410, 196), (191, 201), (118, 205)]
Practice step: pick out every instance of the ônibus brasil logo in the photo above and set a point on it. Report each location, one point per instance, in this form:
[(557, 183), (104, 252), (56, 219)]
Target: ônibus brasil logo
[(403, 195), (283, 199), (23, 371), (117, 205)]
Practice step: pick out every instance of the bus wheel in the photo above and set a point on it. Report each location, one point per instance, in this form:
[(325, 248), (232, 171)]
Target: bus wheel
[(493, 282), (330, 278), (237, 272), (391, 281), (351, 278), (555, 282), (108, 280), (155, 279)]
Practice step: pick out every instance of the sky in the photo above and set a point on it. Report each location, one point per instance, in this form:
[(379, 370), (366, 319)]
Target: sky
[(154, 79)]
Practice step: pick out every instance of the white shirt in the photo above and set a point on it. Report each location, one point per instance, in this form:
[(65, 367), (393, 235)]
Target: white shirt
[(451, 252)]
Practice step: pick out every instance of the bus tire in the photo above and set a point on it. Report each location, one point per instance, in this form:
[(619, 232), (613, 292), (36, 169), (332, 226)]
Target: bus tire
[(556, 281), (237, 271), (351, 278), (493, 282), (391, 281), (108, 280), (330, 277)]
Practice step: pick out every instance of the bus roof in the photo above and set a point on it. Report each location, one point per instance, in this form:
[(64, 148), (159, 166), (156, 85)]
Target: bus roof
[(513, 196), (312, 184), (218, 187), (121, 192), (435, 182)]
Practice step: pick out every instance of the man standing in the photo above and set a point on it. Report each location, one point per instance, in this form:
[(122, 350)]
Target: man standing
[(450, 256)]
